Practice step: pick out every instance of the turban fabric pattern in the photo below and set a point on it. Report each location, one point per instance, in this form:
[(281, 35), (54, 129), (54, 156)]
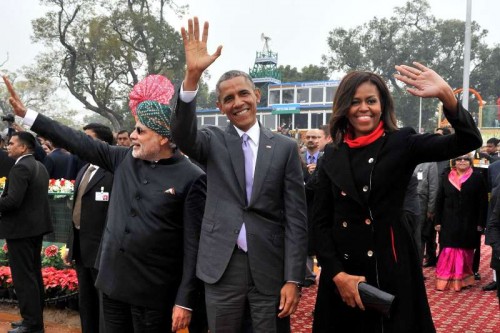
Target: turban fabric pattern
[(149, 100)]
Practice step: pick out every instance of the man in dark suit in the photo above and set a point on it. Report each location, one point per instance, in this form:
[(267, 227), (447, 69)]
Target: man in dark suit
[(57, 163), (6, 163), (24, 206), (90, 208), (253, 242), (309, 161)]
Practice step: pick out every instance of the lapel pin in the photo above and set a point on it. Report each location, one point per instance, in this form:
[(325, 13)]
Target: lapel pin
[(268, 146), (343, 193), (170, 191)]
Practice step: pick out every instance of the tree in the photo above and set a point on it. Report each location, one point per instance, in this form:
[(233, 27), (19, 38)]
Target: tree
[(308, 73), (38, 93), (102, 48), (412, 34)]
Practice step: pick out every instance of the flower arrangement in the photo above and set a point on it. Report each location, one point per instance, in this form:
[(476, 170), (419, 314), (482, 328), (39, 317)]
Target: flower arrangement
[(58, 282), (52, 258), (61, 186), (4, 257), (5, 277)]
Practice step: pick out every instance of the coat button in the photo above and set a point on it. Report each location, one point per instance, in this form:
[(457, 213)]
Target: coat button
[(365, 188), (368, 222), (145, 182), (370, 253), (342, 193), (236, 231), (346, 256), (370, 160), (344, 224)]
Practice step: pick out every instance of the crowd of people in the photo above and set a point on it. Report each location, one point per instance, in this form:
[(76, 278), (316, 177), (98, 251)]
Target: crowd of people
[(216, 228)]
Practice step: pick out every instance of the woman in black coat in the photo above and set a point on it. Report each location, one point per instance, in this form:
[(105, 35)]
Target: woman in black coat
[(357, 211), (461, 208)]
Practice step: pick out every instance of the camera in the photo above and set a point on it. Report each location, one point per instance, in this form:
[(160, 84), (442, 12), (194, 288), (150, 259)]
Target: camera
[(9, 118)]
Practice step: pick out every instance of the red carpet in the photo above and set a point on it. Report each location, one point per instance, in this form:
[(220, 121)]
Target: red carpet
[(468, 311)]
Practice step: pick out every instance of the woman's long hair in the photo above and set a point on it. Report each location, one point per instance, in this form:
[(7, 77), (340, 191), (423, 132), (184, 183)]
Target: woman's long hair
[(343, 99)]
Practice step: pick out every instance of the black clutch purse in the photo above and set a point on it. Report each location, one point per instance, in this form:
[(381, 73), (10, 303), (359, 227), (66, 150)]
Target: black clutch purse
[(376, 299)]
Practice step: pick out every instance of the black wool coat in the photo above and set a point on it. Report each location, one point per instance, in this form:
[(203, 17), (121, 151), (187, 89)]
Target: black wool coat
[(359, 230), (460, 212)]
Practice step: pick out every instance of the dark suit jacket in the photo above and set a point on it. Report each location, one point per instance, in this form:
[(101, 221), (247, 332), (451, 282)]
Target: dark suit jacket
[(492, 231), (57, 163), (148, 250), (275, 218), (24, 203), (6, 163), (92, 218)]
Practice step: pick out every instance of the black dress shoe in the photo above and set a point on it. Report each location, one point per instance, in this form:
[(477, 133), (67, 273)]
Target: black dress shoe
[(16, 324), (24, 329), (477, 276), (490, 286)]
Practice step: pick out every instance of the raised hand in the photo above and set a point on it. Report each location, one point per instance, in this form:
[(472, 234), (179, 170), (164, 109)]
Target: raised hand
[(197, 57), (14, 100), (426, 83)]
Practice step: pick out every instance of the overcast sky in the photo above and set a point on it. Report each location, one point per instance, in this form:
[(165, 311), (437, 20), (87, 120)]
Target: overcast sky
[(298, 29)]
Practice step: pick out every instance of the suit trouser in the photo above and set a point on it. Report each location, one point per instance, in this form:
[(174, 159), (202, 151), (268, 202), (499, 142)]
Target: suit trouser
[(26, 267), (89, 299), (228, 299), (122, 317)]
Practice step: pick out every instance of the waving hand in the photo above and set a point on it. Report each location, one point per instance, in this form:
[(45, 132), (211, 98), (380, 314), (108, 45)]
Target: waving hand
[(197, 57), (426, 83)]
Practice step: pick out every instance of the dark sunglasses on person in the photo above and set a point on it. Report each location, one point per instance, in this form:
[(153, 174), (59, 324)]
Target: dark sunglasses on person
[(139, 130), (462, 159)]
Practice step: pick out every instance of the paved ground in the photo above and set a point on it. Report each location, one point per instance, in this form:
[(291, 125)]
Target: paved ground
[(56, 321)]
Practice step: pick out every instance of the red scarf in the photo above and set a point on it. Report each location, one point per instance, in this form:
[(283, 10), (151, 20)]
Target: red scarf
[(364, 140)]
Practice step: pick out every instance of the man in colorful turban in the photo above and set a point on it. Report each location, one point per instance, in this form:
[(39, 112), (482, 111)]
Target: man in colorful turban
[(148, 250)]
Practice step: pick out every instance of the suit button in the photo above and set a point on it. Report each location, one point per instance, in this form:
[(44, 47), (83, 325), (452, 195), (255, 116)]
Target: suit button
[(138, 197), (371, 160), (127, 230), (122, 250), (133, 213), (236, 231), (370, 253), (368, 222), (145, 182), (365, 188), (153, 166), (346, 256), (344, 224)]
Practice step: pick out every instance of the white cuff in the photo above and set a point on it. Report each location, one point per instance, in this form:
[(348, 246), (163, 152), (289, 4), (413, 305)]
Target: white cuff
[(183, 307), (187, 96), (29, 118)]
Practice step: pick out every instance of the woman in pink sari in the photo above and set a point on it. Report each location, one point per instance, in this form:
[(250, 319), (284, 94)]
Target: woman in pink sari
[(460, 215)]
